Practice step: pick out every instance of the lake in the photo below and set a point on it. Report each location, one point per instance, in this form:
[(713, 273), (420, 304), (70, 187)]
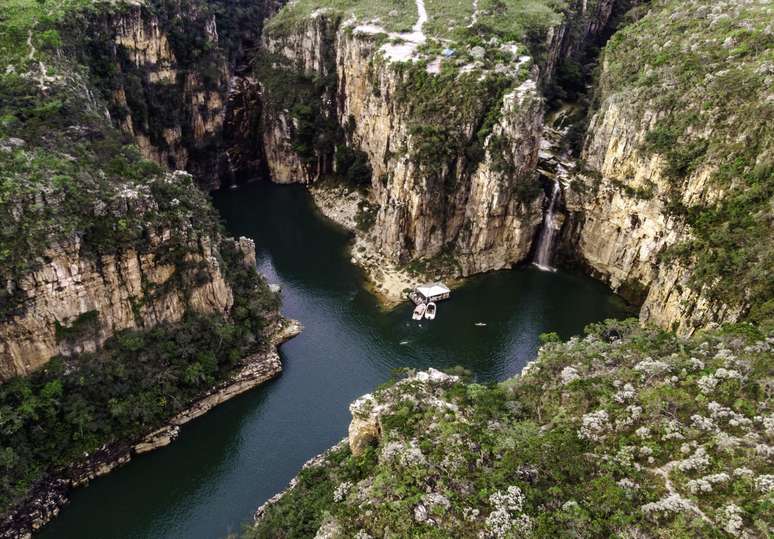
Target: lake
[(227, 463)]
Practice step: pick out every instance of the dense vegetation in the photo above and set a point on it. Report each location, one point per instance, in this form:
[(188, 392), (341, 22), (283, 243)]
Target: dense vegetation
[(78, 404), (444, 106), (627, 432), (314, 133), (708, 67), (69, 179), (53, 418)]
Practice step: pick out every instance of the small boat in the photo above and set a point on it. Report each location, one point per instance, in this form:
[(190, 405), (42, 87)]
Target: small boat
[(480, 324), (419, 311), (430, 311)]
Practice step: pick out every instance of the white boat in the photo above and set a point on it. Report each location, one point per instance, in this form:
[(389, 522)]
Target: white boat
[(430, 311), (419, 311), (480, 324)]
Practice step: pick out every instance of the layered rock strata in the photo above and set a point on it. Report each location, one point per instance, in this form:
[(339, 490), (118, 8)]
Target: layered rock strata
[(75, 302), (619, 225)]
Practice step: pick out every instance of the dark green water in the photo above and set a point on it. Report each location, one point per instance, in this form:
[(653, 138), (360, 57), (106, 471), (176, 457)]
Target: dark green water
[(231, 460)]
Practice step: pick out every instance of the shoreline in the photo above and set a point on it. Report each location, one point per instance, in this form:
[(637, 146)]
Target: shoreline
[(50, 495), (384, 279), (313, 462)]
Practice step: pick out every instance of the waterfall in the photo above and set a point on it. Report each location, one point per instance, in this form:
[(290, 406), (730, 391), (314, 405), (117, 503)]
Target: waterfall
[(546, 240), (231, 174)]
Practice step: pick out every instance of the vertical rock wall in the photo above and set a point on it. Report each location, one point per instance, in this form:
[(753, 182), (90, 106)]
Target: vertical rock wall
[(468, 209), (620, 225), (172, 76), (174, 113), (74, 302)]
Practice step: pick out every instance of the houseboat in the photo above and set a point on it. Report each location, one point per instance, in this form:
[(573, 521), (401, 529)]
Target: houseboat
[(431, 292)]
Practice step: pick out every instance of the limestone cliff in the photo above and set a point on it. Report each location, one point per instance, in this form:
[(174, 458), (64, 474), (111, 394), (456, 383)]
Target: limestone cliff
[(77, 297), (587, 25), (451, 142), (621, 224), (449, 201), (73, 302), (174, 112), (672, 207)]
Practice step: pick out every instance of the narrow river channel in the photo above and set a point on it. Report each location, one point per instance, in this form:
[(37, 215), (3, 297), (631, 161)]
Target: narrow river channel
[(228, 462)]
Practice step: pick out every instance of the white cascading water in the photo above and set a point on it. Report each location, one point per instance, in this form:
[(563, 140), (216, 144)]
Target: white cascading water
[(231, 174), (546, 240)]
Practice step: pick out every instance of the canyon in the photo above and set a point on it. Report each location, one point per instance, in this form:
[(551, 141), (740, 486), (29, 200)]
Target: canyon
[(462, 202), (432, 145)]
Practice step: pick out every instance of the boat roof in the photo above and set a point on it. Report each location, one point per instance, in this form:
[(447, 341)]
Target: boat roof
[(433, 289)]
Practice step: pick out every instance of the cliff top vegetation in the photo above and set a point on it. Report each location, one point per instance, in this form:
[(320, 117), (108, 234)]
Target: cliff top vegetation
[(489, 26), (507, 19), (626, 432), (452, 69), (706, 69)]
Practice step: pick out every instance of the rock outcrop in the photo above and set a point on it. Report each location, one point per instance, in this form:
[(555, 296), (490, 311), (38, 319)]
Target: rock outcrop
[(366, 429), (74, 302), (443, 184)]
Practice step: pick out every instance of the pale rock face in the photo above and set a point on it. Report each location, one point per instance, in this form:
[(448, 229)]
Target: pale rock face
[(498, 228), (671, 303), (119, 289), (365, 428), (202, 108), (621, 223), (362, 433), (481, 220)]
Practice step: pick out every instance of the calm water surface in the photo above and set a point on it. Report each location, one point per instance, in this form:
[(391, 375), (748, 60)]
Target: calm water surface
[(230, 461)]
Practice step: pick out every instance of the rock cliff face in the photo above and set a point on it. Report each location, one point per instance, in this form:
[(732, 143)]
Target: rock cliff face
[(174, 108), (173, 72), (673, 203), (457, 184), (425, 207), (620, 225), (588, 23), (305, 57), (74, 302)]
